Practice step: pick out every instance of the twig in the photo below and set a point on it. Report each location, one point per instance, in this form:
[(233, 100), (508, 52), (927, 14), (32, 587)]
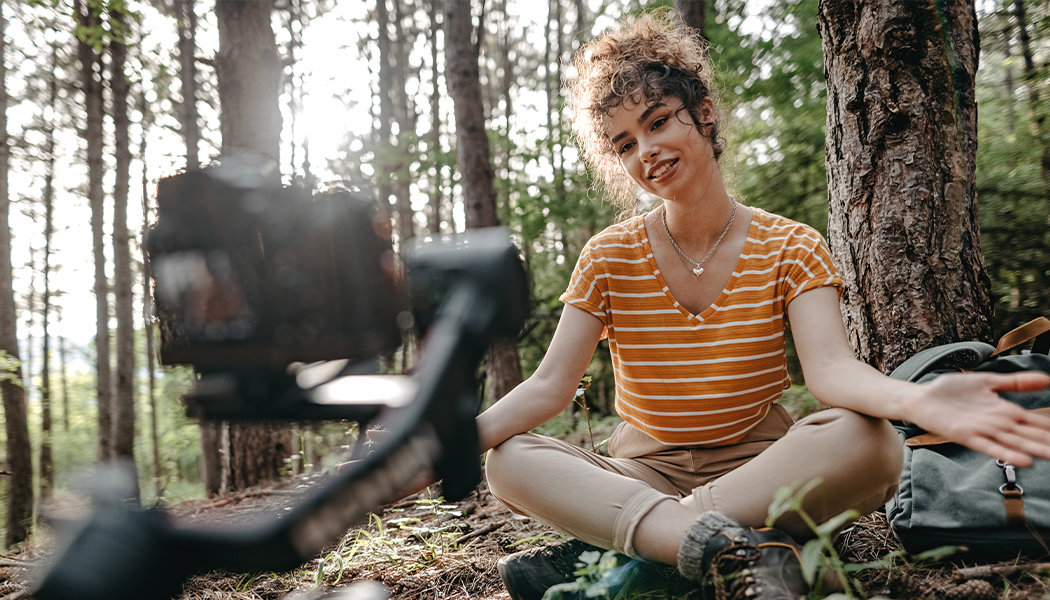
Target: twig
[(21, 564), (479, 532), (986, 571)]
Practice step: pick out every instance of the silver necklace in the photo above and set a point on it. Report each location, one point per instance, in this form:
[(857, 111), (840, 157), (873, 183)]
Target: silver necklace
[(698, 267)]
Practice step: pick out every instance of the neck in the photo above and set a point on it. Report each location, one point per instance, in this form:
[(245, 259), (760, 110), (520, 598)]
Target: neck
[(698, 225)]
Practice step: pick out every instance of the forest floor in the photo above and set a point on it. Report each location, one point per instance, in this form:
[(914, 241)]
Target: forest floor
[(422, 548)]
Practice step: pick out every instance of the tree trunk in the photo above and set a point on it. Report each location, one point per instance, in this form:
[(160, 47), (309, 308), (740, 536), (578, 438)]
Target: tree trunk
[(186, 15), (693, 14), (475, 166), (46, 468), (19, 463), (124, 391), (88, 19), (385, 99), (901, 143), (211, 457), (405, 116), (1033, 81), (147, 304), (249, 77), (436, 183)]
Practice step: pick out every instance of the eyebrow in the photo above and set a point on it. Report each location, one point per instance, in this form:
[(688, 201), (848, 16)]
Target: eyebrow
[(641, 119)]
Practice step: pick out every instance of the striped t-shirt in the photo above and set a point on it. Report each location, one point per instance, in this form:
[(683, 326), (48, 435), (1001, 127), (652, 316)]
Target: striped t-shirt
[(704, 379)]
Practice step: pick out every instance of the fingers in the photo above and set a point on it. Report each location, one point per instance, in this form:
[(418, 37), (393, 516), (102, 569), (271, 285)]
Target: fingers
[(1025, 381)]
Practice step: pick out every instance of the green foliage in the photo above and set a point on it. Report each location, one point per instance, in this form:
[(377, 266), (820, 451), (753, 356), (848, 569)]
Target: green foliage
[(10, 368), (819, 558), (1013, 181), (774, 83)]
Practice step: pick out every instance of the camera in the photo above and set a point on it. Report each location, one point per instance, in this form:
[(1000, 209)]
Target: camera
[(252, 277), (248, 272)]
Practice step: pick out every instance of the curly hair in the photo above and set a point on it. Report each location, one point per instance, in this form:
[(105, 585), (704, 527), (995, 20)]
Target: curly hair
[(644, 60)]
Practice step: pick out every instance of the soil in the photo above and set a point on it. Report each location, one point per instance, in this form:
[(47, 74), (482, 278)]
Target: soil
[(421, 548)]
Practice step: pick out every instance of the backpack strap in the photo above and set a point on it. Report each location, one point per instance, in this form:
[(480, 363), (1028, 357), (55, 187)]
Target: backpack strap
[(954, 356), (1037, 329)]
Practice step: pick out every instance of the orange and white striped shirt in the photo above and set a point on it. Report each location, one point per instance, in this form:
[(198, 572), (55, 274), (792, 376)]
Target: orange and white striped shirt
[(703, 379)]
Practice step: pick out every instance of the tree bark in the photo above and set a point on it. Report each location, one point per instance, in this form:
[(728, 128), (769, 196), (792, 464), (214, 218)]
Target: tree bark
[(249, 77), (186, 15), (124, 389), (475, 166), (693, 13), (901, 145), (45, 463), (87, 19), (19, 463), (436, 183), (405, 116), (147, 302)]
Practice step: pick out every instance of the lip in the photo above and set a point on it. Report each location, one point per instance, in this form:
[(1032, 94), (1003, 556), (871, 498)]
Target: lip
[(664, 167)]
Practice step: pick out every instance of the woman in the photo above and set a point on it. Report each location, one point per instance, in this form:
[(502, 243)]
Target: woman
[(693, 297)]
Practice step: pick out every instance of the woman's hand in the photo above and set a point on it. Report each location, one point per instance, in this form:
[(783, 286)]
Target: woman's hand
[(962, 407), (966, 408)]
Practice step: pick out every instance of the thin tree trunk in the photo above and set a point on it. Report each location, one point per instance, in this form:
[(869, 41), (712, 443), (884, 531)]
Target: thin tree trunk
[(147, 304), (87, 19), (186, 14), (436, 186), (475, 166), (385, 92), (404, 114), (63, 377), (46, 461), (19, 453), (124, 397), (1033, 81), (694, 14), (901, 146)]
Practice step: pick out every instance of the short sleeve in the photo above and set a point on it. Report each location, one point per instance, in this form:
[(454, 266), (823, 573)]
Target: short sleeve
[(808, 264), (583, 291)]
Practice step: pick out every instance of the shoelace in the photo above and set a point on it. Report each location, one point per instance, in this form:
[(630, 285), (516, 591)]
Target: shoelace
[(737, 557)]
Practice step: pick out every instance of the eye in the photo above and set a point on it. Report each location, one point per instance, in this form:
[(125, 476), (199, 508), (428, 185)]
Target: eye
[(658, 123), (625, 148)]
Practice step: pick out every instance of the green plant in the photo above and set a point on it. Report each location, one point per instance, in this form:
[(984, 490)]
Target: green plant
[(819, 557)]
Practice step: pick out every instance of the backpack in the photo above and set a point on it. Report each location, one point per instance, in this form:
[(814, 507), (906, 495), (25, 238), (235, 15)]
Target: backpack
[(952, 495)]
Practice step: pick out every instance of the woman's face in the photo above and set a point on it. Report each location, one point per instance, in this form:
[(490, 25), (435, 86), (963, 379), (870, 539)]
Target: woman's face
[(661, 148)]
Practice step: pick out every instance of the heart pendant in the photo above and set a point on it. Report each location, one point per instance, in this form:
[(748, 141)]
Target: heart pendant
[(698, 271)]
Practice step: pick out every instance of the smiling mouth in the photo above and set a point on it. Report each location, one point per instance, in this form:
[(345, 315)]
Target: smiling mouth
[(662, 168)]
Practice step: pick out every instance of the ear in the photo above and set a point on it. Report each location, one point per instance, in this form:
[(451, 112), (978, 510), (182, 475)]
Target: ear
[(707, 112)]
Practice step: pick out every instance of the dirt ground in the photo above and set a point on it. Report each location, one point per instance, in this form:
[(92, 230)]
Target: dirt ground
[(422, 549)]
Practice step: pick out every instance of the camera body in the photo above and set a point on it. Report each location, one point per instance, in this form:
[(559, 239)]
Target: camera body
[(250, 273)]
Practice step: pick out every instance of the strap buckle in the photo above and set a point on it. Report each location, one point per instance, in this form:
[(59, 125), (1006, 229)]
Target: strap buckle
[(1010, 473)]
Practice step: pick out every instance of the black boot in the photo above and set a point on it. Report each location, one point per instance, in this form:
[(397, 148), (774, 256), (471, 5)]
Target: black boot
[(731, 561), (529, 574)]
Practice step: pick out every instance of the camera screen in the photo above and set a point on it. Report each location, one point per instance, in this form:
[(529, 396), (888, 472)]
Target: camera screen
[(204, 294)]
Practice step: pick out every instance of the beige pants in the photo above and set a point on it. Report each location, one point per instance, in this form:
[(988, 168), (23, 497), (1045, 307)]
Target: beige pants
[(602, 499)]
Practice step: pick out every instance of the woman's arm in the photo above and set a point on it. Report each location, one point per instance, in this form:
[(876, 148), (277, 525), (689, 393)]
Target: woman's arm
[(962, 407), (550, 389)]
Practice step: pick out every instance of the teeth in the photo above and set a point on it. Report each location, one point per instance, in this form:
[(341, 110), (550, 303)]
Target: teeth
[(660, 170)]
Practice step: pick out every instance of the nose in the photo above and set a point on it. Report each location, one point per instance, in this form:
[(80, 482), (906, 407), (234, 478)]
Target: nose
[(647, 150)]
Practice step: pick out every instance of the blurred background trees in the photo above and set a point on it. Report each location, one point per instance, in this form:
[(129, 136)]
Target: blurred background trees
[(100, 100)]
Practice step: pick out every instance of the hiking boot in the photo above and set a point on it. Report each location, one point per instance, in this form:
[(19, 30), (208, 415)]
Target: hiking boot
[(529, 573), (562, 573), (731, 561)]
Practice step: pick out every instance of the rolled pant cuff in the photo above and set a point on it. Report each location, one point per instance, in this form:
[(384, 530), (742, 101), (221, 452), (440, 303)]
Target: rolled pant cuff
[(632, 513)]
